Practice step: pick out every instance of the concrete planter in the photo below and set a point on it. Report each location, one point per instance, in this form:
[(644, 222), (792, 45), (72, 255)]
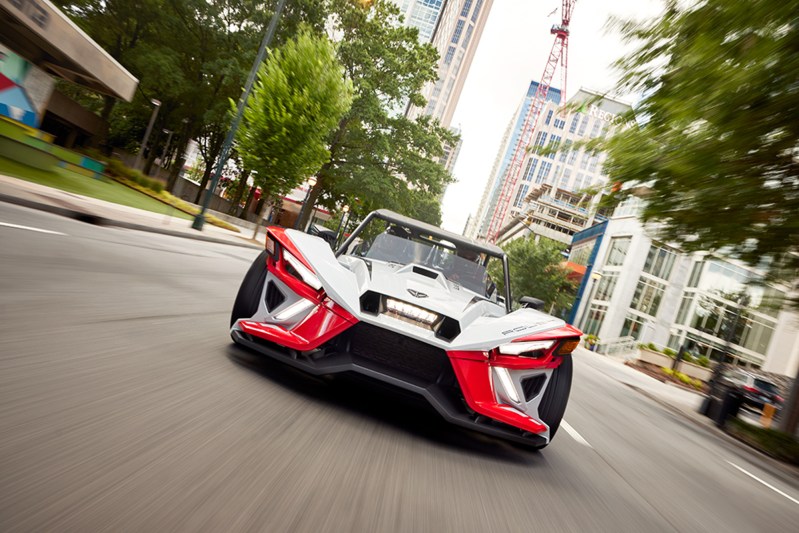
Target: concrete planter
[(689, 369)]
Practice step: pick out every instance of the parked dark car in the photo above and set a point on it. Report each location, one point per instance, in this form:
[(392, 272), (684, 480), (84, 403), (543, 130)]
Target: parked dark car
[(757, 391)]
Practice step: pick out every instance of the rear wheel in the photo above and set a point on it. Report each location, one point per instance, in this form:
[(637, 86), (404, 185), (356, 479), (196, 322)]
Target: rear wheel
[(252, 286), (553, 404)]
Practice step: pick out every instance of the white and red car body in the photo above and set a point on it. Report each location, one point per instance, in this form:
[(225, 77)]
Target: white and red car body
[(326, 314)]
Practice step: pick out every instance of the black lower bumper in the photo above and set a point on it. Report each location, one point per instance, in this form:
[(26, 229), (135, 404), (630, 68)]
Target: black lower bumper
[(441, 390)]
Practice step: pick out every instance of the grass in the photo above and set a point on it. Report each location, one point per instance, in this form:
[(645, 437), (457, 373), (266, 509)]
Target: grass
[(769, 441), (102, 189)]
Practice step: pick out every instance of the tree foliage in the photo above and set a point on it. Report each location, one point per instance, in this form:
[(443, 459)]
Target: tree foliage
[(376, 154), (536, 270), (300, 96), (717, 138)]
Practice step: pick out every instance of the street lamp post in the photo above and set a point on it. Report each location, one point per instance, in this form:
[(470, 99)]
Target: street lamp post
[(344, 211), (157, 106), (199, 220), (311, 185)]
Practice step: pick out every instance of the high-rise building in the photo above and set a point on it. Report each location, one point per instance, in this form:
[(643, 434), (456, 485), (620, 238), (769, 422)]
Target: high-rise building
[(455, 36), (504, 156), (555, 195), (422, 15)]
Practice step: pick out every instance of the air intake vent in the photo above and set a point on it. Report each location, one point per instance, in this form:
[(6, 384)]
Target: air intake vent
[(449, 329), (370, 302), (424, 272), (532, 386), (273, 297)]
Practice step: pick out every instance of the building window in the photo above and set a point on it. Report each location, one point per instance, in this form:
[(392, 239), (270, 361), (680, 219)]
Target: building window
[(685, 305), (566, 150), (465, 11), (450, 54), (583, 126), (476, 11), (520, 194), (541, 138), (605, 286), (554, 141), (549, 117), (593, 162), (530, 170), (647, 296), (575, 121), (633, 325), (593, 322), (560, 123), (659, 261), (456, 35), (595, 128), (584, 161), (579, 181), (564, 179), (617, 251), (581, 252), (543, 172), (468, 36), (573, 156)]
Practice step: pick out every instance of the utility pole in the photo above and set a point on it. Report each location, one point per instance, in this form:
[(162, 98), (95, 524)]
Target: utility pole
[(199, 220)]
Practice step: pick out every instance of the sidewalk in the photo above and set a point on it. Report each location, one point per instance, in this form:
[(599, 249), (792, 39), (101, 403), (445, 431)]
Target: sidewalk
[(102, 213), (680, 401)]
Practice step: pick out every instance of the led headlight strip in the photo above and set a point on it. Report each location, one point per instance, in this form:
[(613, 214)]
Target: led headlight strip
[(520, 348), (304, 272), (410, 311)]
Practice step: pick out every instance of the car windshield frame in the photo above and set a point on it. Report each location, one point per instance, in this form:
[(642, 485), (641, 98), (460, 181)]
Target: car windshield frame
[(437, 237)]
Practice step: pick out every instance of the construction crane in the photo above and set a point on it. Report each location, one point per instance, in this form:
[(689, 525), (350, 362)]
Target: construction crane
[(558, 55)]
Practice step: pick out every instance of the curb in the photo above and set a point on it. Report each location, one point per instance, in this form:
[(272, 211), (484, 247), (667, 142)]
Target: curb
[(97, 220), (784, 471)]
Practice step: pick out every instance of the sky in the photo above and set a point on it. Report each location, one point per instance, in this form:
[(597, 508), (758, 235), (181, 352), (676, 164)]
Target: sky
[(513, 51)]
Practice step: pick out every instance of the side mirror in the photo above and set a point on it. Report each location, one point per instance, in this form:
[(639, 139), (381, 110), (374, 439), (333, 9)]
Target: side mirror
[(528, 302)]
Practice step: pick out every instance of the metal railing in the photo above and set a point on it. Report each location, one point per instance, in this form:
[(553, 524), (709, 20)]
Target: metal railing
[(619, 346)]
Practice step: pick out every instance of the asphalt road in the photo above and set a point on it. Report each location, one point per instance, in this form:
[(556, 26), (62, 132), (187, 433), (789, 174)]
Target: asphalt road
[(124, 407)]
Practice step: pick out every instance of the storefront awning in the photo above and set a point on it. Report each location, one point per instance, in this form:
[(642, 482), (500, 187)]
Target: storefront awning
[(39, 32)]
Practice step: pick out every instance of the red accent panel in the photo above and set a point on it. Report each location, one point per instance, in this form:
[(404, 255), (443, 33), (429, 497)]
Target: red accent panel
[(474, 377), (324, 322), (279, 234)]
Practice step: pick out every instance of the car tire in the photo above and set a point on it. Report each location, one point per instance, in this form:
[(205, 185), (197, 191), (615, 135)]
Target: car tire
[(249, 294), (553, 404)]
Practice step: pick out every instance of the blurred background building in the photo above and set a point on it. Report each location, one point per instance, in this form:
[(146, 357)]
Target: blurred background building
[(558, 191), (640, 287), (455, 34)]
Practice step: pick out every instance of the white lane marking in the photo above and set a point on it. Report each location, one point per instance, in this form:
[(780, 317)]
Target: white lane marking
[(39, 230), (573, 432), (775, 489)]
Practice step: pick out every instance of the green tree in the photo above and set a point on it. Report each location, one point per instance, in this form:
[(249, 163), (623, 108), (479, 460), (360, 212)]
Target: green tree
[(300, 96), (192, 55), (376, 154), (536, 270), (718, 130), (717, 143)]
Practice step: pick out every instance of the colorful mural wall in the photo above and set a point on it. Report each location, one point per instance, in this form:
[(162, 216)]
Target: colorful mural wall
[(24, 89)]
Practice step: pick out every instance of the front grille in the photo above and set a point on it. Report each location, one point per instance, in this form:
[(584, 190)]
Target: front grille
[(273, 297), (410, 357)]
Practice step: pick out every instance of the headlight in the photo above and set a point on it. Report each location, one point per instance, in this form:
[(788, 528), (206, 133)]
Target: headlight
[(521, 348), (304, 272)]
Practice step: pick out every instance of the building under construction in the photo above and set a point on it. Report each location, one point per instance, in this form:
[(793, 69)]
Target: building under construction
[(555, 193)]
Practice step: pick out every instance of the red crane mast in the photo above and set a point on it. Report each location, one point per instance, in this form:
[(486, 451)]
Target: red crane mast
[(558, 54)]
